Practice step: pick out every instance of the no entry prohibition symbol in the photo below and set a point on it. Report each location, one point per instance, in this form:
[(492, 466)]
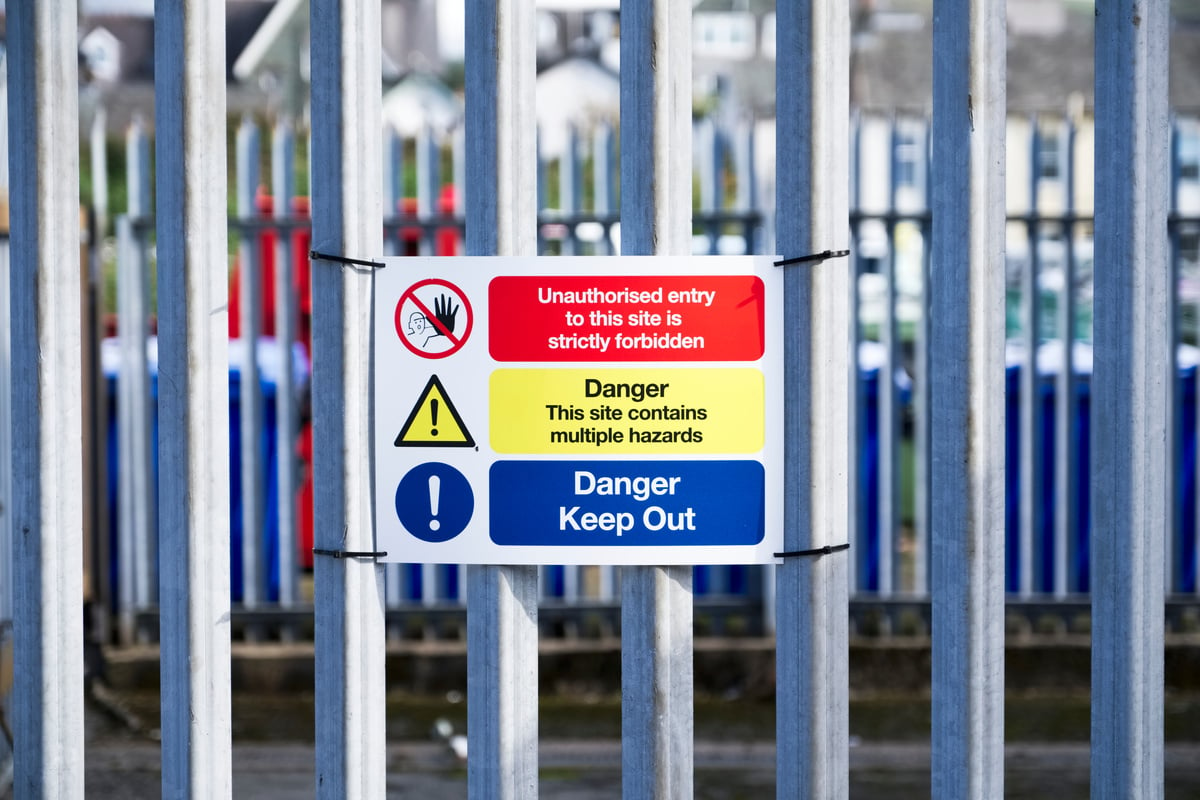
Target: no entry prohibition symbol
[(434, 318)]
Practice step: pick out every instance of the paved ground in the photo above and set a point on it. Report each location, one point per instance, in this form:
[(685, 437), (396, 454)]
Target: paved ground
[(124, 762), (589, 770), (123, 758)]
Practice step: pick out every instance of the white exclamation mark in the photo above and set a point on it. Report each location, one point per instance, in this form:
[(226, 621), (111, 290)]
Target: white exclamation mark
[(435, 492)]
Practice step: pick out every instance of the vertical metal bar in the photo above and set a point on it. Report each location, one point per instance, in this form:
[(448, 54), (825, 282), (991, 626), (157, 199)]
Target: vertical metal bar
[(1173, 231), (743, 157), (137, 166), (812, 198), (708, 162), (501, 188), (571, 592), (131, 365), (287, 425), (393, 179), (769, 601), (428, 178), (922, 425), (967, 302), (1065, 438), (888, 444), (134, 331), (347, 209), (429, 585), (94, 397), (716, 153), (1191, 494), (189, 85), (1129, 390), (393, 593), (98, 161), (746, 198), (603, 178), (458, 163), (1173, 549), (6, 588), (136, 499), (607, 590), (249, 389), (857, 533), (47, 501), (543, 191), (1030, 461), (656, 205), (568, 187), (6, 486)]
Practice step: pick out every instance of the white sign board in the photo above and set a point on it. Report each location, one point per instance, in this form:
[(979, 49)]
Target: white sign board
[(579, 410)]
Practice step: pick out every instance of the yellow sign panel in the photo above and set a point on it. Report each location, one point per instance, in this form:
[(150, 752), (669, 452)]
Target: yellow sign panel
[(434, 422), (644, 411)]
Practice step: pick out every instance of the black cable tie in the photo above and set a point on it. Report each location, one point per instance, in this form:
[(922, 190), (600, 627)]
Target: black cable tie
[(354, 262), (816, 551), (813, 257), (320, 551)]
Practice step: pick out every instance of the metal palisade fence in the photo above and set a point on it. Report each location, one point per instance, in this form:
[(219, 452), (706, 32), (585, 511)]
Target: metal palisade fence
[(1048, 300), (972, 290)]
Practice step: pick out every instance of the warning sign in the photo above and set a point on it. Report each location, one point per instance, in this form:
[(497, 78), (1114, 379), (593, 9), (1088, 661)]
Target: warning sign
[(582, 411), (434, 421), (604, 318), (578, 410), (434, 318)]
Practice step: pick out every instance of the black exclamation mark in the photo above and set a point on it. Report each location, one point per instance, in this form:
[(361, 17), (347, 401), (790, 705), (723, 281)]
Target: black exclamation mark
[(433, 411)]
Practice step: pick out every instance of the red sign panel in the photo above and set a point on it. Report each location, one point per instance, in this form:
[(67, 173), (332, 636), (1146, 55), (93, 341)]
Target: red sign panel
[(634, 318)]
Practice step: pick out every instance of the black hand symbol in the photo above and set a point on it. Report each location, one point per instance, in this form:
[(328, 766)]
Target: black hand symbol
[(445, 315)]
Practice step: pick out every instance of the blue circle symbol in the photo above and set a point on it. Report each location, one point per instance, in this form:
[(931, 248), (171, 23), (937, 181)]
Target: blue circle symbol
[(434, 502)]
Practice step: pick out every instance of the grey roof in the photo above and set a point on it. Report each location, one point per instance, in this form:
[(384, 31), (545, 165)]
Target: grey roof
[(1043, 71)]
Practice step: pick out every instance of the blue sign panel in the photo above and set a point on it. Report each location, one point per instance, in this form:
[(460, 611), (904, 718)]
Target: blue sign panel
[(434, 502), (627, 503)]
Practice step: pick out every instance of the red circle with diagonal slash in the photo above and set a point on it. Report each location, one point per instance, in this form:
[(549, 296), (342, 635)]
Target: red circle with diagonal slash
[(418, 324)]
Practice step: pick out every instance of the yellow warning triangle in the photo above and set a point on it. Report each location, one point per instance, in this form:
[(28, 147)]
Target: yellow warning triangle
[(434, 421)]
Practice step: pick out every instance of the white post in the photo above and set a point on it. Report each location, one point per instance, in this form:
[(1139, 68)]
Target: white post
[(967, 396), (347, 215), (501, 214), (656, 219), (193, 397), (47, 467), (812, 717), (1131, 390)]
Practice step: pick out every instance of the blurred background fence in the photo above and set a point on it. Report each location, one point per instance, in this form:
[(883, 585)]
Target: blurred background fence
[(1049, 265)]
